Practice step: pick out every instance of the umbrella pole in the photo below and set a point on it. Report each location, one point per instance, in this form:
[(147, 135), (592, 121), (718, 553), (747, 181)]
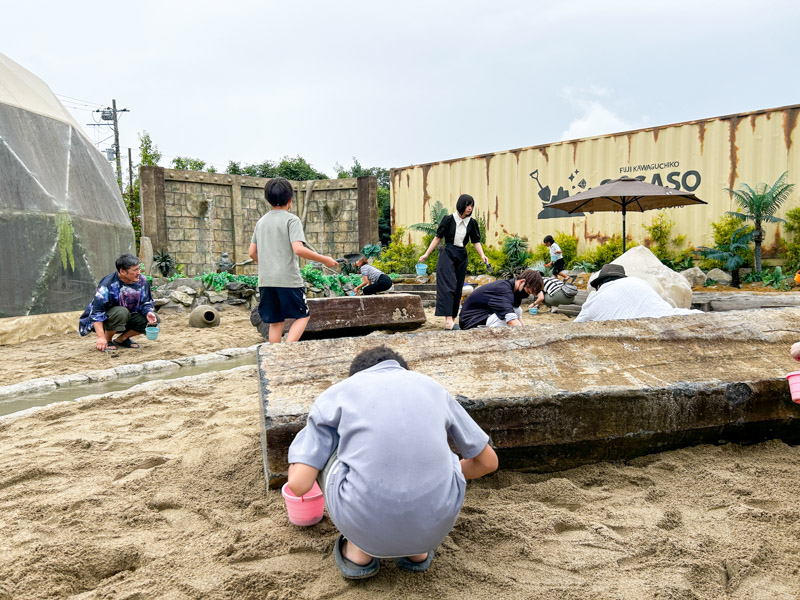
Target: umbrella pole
[(623, 229)]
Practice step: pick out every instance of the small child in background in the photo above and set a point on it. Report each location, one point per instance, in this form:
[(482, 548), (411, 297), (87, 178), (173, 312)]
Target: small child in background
[(374, 280), (556, 257)]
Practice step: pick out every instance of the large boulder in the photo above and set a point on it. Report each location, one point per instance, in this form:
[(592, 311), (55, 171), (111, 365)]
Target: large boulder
[(694, 276), (720, 276), (640, 262)]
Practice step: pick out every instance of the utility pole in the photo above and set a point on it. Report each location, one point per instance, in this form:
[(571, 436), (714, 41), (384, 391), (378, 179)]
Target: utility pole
[(116, 144), (110, 114)]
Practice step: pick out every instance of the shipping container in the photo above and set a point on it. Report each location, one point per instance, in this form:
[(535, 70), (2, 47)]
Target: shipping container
[(514, 188)]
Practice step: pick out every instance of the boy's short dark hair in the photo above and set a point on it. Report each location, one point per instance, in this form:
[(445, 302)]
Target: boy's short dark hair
[(373, 356), (278, 191), (126, 261), (464, 200), (548, 239)]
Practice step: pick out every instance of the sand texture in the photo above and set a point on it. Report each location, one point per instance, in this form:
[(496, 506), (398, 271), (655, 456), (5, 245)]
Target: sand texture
[(159, 492)]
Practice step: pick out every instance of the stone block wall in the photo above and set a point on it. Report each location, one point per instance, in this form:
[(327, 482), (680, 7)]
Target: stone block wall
[(196, 216)]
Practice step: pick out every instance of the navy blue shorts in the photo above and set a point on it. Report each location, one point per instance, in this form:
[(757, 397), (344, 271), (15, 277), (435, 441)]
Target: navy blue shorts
[(278, 304)]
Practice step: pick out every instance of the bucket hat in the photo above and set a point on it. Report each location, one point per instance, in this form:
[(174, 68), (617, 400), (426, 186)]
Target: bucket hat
[(609, 272)]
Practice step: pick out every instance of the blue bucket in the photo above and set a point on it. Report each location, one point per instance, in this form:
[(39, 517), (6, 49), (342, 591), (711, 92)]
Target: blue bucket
[(422, 268)]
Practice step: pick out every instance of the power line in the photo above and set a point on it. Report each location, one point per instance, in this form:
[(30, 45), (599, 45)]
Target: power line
[(84, 102)]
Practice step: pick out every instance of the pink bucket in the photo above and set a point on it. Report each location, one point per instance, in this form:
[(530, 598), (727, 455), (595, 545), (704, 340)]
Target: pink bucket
[(794, 385), (307, 509)]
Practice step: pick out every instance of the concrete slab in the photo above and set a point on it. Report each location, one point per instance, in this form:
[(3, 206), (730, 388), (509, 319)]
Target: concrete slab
[(355, 315), (555, 396)]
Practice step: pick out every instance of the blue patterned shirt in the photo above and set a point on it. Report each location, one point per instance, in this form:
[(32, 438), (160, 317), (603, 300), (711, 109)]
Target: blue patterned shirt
[(112, 291)]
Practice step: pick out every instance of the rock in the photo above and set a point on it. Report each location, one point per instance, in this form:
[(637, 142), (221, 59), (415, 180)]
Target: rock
[(720, 276), (633, 387), (158, 302), (195, 284), (356, 315), (214, 297), (477, 280), (247, 292), (235, 301), (181, 298), (640, 262), (234, 285), (171, 306), (185, 289), (694, 276), (158, 282)]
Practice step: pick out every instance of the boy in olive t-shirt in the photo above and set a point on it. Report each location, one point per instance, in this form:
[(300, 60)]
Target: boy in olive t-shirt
[(277, 242)]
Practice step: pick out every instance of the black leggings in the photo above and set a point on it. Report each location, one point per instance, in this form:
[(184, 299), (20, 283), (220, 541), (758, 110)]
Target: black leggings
[(383, 284), (451, 270)]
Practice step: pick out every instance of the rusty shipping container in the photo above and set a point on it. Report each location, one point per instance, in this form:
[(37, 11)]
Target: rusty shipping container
[(514, 188)]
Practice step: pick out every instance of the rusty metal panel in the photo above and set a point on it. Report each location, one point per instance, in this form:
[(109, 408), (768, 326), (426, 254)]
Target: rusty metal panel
[(514, 188)]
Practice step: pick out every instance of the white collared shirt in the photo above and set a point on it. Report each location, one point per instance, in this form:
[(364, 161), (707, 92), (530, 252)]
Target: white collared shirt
[(461, 229)]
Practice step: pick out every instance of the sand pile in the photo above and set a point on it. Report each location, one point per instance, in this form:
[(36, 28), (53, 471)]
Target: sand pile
[(158, 492)]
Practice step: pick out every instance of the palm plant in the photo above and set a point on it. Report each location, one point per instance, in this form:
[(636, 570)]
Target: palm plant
[(438, 212), (731, 253), (760, 205), (517, 255)]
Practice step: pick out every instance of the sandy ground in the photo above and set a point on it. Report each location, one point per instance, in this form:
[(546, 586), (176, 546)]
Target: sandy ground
[(68, 353), (158, 492)]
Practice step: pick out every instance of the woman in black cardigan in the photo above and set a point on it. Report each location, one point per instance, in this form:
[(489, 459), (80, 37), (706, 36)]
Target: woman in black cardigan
[(456, 230)]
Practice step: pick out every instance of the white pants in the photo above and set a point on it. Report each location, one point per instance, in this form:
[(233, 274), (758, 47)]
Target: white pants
[(495, 321)]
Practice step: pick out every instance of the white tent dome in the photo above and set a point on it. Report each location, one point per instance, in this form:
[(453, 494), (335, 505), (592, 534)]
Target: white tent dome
[(62, 218)]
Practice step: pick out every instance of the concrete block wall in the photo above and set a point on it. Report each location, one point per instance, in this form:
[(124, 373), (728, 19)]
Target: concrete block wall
[(196, 216)]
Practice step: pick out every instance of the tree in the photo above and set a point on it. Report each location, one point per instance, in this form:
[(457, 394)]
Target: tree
[(149, 155), (760, 205), (184, 163), (293, 169)]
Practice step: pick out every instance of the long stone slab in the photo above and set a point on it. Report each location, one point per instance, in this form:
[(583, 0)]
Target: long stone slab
[(720, 301), (356, 315), (557, 395)]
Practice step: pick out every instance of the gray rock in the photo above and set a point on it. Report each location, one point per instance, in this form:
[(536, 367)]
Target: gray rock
[(195, 284), (234, 286), (235, 301), (720, 276), (181, 298), (185, 289), (159, 282), (214, 297), (246, 293), (160, 302), (694, 276), (172, 307)]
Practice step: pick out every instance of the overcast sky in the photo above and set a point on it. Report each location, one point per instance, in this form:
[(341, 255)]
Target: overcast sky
[(395, 84)]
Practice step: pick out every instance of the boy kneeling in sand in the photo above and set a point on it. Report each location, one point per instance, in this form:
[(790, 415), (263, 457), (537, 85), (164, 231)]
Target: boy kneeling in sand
[(377, 444)]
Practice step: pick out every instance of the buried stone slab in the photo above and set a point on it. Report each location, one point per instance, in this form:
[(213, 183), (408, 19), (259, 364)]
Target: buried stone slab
[(562, 394), (355, 315)]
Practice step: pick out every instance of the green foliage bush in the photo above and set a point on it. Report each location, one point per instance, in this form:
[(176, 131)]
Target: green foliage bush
[(399, 256), (218, 281), (660, 230), (517, 255), (603, 254), (791, 247), (335, 282), (475, 266), (723, 232)]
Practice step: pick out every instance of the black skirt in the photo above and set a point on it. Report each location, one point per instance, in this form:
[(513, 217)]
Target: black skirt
[(451, 270)]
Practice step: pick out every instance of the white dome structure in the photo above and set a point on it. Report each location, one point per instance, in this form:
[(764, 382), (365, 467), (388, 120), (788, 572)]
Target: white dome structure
[(63, 222)]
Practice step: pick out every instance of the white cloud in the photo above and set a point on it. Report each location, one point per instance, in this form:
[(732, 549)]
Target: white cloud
[(596, 118)]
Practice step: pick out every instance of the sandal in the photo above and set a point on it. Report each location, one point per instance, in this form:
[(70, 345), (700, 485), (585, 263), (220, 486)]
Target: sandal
[(127, 343), (406, 564), (348, 568)]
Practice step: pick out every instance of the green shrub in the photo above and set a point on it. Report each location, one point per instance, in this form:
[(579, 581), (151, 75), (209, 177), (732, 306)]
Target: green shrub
[(603, 254), (219, 280), (517, 255), (660, 229), (399, 256), (723, 233), (791, 247), (475, 266)]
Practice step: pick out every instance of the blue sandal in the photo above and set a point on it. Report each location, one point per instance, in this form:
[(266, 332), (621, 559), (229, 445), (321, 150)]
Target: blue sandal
[(407, 564), (348, 568)]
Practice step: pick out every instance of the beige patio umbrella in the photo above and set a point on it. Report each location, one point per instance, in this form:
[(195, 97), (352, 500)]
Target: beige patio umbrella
[(623, 195)]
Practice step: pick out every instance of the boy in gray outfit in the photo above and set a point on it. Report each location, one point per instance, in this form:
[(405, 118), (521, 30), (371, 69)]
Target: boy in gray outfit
[(278, 241), (377, 444)]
